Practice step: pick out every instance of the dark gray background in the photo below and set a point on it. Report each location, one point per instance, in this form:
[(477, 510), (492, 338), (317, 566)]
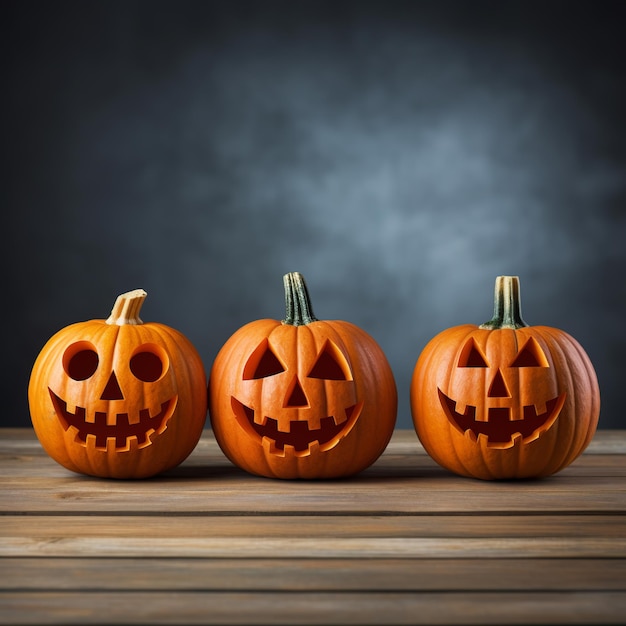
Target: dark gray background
[(400, 155)]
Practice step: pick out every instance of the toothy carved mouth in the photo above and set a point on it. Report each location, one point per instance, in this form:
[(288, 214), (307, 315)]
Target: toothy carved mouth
[(121, 432), (299, 437), (501, 431)]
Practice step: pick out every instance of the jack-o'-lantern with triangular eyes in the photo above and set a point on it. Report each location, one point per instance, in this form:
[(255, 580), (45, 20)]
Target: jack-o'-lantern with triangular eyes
[(301, 398), (504, 400), (118, 398)]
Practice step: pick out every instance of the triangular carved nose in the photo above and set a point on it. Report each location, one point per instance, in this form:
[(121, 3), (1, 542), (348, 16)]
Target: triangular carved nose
[(296, 396), (498, 388), (112, 391)]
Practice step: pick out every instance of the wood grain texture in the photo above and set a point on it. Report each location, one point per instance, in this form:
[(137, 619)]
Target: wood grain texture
[(376, 608), (313, 574), (404, 542)]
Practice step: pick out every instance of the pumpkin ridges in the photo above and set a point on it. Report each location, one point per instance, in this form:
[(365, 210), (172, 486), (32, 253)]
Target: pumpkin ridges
[(565, 344), (580, 438), (233, 356), (555, 350), (298, 345), (103, 463), (518, 451), (302, 334), (476, 465), (425, 369), (100, 465), (593, 386), (490, 464), (322, 398), (518, 336), (372, 354), (115, 344), (261, 457), (193, 369), (516, 356), (145, 333)]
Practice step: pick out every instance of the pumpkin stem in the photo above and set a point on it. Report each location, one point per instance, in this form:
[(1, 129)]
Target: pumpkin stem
[(507, 308), (297, 301), (126, 308)]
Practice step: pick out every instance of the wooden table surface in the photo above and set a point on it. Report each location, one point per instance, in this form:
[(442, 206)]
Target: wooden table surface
[(405, 542)]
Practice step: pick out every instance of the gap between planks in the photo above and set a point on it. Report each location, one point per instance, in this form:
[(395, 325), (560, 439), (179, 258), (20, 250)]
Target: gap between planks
[(370, 496)]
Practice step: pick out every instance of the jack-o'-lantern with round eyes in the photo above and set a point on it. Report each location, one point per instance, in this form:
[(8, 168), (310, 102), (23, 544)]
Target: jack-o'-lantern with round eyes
[(301, 398), (118, 398), (504, 400)]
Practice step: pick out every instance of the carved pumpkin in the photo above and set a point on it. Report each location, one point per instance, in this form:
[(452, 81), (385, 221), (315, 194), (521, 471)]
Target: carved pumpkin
[(118, 398), (301, 398), (504, 399)]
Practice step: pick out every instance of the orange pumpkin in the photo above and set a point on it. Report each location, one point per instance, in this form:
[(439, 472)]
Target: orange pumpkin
[(301, 398), (504, 399), (118, 398)]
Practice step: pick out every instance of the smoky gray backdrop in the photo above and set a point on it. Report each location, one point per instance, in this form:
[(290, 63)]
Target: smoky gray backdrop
[(400, 155)]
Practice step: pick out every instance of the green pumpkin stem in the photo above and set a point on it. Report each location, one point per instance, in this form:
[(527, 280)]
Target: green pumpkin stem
[(126, 308), (507, 307), (297, 301)]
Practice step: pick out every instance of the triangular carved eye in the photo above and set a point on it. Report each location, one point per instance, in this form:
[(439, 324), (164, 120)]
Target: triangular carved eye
[(471, 356), (262, 363), (531, 355), (331, 364)]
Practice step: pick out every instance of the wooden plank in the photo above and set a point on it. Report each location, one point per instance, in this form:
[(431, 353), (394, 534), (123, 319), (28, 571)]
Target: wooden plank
[(311, 574), (305, 547), (236, 492), (301, 537), (36, 527), (313, 608)]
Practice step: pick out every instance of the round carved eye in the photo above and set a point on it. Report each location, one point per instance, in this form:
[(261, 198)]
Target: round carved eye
[(146, 365), (80, 360)]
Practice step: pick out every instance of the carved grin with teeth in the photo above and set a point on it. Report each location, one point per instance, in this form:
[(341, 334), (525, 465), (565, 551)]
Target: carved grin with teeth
[(500, 429), (299, 436), (148, 424)]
